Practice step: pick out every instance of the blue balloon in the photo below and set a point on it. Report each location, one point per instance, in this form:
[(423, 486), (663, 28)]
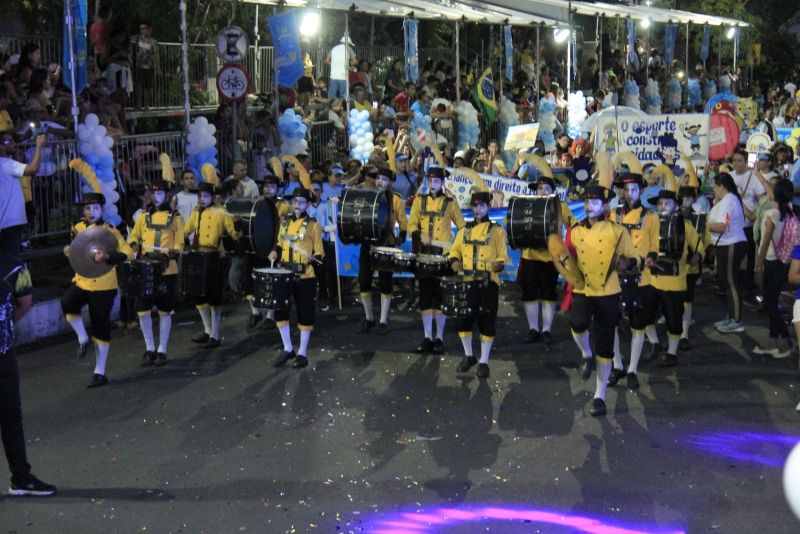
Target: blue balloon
[(92, 160)]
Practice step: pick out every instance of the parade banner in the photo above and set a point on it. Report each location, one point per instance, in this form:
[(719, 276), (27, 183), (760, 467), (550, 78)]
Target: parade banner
[(670, 33), (656, 138), (706, 46), (79, 11), (631, 41), (288, 55), (521, 136), (509, 50), (411, 49)]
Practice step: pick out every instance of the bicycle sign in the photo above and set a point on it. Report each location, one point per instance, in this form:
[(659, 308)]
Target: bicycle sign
[(233, 82)]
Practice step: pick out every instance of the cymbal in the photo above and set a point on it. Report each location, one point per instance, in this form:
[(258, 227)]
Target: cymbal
[(566, 264), (85, 245)]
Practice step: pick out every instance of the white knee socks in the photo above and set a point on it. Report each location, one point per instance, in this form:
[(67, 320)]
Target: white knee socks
[(687, 319), (205, 316), (652, 334), (548, 314), (603, 373), (532, 313), (386, 302), (440, 321), (146, 324), (366, 301), (637, 341), (486, 348), (427, 324), (163, 332), (76, 322), (617, 351), (582, 340), (100, 356), (286, 337), (216, 318), (305, 336), (673, 344), (466, 341)]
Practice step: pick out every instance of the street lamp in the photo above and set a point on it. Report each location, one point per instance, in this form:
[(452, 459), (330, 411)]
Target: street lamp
[(309, 24), (645, 23), (731, 32), (560, 34)]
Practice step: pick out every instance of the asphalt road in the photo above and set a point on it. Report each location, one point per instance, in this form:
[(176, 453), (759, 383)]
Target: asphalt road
[(371, 437)]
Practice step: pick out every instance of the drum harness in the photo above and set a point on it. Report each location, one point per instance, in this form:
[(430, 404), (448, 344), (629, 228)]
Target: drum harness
[(475, 244), (431, 220), (300, 236), (148, 221)]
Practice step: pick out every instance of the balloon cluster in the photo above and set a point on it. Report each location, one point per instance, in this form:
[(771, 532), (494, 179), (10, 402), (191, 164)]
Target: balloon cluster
[(201, 146), (710, 89), (422, 125), (693, 93), (95, 148), (507, 113), (468, 125), (547, 121), (724, 84), (576, 112), (292, 130), (674, 94), (632, 94), (361, 136), (652, 98)]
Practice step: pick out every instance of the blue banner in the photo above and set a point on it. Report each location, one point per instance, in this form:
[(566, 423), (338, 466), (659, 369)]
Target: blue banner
[(78, 14), (411, 49), (348, 254), (509, 48), (288, 55), (706, 46), (670, 33), (631, 41)]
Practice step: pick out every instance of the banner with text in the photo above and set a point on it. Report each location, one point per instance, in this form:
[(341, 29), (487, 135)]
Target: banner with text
[(78, 16), (288, 54), (521, 136)]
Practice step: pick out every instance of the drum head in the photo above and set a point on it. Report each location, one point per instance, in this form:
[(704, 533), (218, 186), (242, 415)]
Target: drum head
[(387, 250), (260, 216), (272, 270), (432, 258)]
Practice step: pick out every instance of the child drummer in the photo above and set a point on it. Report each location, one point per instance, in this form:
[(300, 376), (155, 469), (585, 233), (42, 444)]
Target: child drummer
[(99, 293)]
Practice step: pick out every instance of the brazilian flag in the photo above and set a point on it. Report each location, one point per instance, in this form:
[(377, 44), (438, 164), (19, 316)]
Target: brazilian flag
[(484, 94)]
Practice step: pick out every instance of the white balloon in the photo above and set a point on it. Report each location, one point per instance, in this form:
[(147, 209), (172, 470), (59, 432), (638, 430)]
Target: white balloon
[(92, 120), (368, 146), (211, 129), (201, 121), (353, 138), (364, 114), (368, 136), (101, 130), (791, 480), (108, 141), (83, 133), (304, 144)]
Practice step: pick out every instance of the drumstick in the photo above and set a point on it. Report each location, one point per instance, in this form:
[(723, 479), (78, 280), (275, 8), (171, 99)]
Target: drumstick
[(160, 249), (307, 254)]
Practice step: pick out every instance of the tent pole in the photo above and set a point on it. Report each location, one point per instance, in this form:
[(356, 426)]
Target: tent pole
[(600, 53), (458, 67), (185, 64), (719, 51), (537, 72), (257, 74), (347, 60)]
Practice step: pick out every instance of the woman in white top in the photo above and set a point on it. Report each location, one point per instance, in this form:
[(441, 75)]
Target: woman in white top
[(726, 224), (771, 272)]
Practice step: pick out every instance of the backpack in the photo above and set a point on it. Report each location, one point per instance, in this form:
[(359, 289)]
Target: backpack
[(790, 238)]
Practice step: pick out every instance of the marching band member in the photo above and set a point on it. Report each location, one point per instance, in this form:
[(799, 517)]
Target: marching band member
[(669, 285), (381, 179), (538, 276), (642, 224), (430, 223), (299, 242), (602, 248), (158, 234), (99, 293), (480, 247), (208, 223)]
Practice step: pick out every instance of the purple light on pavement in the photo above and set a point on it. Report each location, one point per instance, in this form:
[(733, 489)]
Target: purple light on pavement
[(761, 448), (436, 519)]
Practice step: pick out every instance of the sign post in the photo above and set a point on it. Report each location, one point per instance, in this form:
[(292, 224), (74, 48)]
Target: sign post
[(233, 82)]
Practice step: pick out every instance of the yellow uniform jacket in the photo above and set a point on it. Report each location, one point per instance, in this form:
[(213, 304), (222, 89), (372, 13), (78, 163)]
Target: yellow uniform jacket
[(432, 216), (399, 217), (678, 282), (210, 224), (297, 236), (162, 229), (478, 245), (109, 280), (543, 254), (597, 246), (642, 224)]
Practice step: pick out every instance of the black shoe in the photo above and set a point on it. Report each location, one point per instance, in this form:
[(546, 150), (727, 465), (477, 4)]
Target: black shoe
[(30, 486), (466, 364), (283, 358), (438, 346), (668, 360), (366, 326), (212, 343), (254, 320), (616, 374), (161, 359), (547, 337), (633, 381), (148, 358), (534, 336), (684, 344), (598, 407), (301, 361), (83, 348), (97, 381), (383, 329), (587, 366), (201, 338), (426, 347), (483, 370)]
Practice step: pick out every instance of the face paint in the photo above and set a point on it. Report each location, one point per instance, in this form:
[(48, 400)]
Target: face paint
[(666, 206), (687, 202), (544, 189), (159, 197), (384, 182), (632, 191), (436, 184), (480, 210), (93, 212), (300, 205), (593, 207), (206, 199)]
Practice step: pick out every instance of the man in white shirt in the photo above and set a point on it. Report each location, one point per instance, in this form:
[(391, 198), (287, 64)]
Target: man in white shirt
[(12, 202), (249, 185), (751, 191), (186, 199), (339, 60)]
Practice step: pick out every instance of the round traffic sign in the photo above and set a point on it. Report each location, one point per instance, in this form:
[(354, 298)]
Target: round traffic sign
[(232, 44), (233, 82)]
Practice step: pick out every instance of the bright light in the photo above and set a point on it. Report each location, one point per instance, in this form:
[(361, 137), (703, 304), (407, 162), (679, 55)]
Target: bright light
[(561, 35), (680, 75), (645, 23), (309, 24), (731, 32)]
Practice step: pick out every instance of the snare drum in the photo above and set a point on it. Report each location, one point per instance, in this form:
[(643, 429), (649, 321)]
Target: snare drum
[(432, 265), (404, 262), (272, 288), (461, 295), (381, 258), (142, 278), (259, 223), (629, 297), (531, 219), (201, 274)]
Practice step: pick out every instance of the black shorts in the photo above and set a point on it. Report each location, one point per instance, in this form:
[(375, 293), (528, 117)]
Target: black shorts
[(691, 282), (164, 303), (600, 312), (365, 274), (100, 304), (538, 280), (430, 294), (303, 291)]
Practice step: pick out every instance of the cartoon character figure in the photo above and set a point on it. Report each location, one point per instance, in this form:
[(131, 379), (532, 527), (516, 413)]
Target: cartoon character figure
[(609, 139), (693, 135), (668, 149)]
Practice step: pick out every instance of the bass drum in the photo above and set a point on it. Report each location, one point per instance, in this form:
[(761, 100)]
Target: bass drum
[(364, 216), (530, 220), (671, 237), (201, 274), (259, 223)]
